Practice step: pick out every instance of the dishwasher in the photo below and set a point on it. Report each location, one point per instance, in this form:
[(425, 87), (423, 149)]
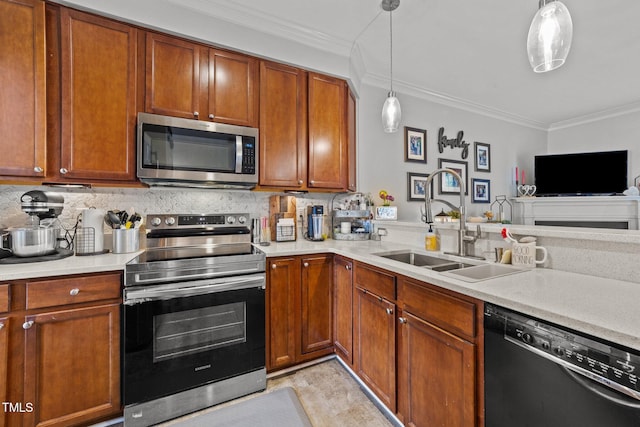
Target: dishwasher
[(541, 374)]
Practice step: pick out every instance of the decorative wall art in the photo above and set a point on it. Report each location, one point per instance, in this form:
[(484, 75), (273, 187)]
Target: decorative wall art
[(481, 189), (417, 186), (415, 145), (453, 143), (483, 157), (448, 183)]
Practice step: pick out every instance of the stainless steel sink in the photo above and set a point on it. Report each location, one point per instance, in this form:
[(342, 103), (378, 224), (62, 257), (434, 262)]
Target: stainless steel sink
[(469, 272), (477, 273)]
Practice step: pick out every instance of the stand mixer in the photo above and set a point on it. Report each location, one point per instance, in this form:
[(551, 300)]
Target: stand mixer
[(40, 205)]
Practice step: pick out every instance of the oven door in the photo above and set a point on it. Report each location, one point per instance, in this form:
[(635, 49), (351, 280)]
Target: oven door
[(192, 335)]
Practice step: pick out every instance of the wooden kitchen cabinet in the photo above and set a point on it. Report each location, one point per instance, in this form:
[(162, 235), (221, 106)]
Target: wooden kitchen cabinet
[(343, 308), (190, 80), (437, 358), (23, 114), (91, 95), (307, 130), (64, 350), (299, 309), (374, 329)]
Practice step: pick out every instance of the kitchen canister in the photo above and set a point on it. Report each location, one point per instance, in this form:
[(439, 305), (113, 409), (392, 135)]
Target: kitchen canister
[(126, 240), (93, 219)]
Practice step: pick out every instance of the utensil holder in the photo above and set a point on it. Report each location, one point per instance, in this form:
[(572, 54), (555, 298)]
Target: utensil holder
[(126, 240)]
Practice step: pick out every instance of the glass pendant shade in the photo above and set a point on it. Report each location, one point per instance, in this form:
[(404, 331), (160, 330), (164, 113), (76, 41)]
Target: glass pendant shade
[(549, 37), (391, 113)]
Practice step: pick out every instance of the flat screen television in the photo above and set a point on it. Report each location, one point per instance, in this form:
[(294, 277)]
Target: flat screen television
[(581, 174)]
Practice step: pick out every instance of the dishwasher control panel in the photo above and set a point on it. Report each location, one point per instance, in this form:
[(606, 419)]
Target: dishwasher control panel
[(607, 363)]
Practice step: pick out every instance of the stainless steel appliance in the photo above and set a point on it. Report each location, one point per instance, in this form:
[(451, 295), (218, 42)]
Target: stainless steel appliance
[(194, 310), (541, 374), (193, 153)]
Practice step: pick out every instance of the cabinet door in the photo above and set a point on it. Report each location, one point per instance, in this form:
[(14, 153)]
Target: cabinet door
[(316, 289), (343, 308), (351, 142), (233, 88), (22, 85), (437, 367), (98, 64), (327, 137), (283, 283), (375, 344), (4, 364), (173, 77), (283, 126), (72, 365)]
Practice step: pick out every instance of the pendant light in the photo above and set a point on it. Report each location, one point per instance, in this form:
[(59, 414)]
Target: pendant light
[(391, 112), (550, 36)]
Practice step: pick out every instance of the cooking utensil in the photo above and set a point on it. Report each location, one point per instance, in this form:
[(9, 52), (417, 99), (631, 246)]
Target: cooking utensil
[(112, 220), (29, 242)]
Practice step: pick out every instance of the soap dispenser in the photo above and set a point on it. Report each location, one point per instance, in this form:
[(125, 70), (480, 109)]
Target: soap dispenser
[(431, 240)]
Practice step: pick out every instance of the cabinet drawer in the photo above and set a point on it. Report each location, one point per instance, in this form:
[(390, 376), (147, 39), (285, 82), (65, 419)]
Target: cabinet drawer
[(62, 291), (376, 281), (450, 313), (4, 298)]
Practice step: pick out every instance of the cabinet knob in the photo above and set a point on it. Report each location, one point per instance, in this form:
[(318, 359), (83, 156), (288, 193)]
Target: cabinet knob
[(211, 116), (37, 169), (74, 292), (312, 182), (389, 310), (306, 264), (273, 266), (300, 182), (402, 319), (196, 114), (348, 267), (64, 171), (1, 326), (27, 325)]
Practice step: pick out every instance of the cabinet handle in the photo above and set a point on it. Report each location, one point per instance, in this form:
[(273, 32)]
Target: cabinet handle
[(27, 325), (37, 169), (211, 116), (64, 171), (389, 310), (273, 266), (402, 319), (306, 264), (300, 182), (196, 114), (348, 267), (312, 182), (1, 326), (74, 292)]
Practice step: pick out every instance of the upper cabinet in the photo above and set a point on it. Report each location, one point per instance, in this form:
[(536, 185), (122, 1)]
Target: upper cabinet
[(305, 130), (22, 84), (190, 80), (98, 99)]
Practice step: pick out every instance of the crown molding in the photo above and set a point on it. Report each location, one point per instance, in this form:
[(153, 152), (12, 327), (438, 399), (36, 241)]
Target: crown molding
[(597, 116)]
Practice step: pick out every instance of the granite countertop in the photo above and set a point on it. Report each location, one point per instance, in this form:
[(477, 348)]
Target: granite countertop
[(605, 308)]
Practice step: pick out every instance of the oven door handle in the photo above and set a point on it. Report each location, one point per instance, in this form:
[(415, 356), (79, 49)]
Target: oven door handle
[(143, 294)]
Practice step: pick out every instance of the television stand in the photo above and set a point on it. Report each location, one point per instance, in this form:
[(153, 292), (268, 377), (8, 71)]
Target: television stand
[(621, 212)]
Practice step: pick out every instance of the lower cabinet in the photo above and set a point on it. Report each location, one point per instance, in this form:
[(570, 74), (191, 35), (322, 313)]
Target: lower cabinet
[(63, 350), (374, 328), (343, 308), (438, 376), (299, 309)]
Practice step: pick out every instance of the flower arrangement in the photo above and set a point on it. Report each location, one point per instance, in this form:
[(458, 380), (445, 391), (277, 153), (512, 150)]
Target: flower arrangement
[(386, 198)]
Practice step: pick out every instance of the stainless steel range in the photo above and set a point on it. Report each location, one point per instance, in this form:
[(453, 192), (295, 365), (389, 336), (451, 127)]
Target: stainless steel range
[(194, 310)]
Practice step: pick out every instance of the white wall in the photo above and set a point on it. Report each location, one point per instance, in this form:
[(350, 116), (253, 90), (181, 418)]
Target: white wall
[(381, 155), (615, 133)]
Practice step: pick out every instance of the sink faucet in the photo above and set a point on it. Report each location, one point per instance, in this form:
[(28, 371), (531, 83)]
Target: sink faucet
[(463, 237)]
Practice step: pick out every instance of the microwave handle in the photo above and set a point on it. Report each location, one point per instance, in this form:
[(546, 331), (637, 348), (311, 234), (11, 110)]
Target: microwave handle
[(238, 153)]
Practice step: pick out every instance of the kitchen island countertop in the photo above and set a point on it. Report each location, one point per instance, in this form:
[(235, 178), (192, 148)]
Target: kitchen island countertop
[(605, 308)]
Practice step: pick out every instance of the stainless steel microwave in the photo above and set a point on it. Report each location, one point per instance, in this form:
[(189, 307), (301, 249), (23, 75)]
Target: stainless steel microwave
[(192, 153)]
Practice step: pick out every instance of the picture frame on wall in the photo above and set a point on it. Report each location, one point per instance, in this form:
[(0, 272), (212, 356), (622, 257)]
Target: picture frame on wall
[(482, 153), (481, 190), (415, 145), (417, 186), (448, 183)]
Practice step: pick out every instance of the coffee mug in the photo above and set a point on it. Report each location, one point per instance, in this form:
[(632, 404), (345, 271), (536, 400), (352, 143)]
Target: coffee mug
[(524, 254)]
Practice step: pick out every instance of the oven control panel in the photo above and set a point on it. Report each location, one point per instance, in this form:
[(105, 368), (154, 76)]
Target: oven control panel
[(601, 361), (191, 221)]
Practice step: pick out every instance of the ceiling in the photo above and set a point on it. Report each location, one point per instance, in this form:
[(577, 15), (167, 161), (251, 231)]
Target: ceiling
[(467, 52)]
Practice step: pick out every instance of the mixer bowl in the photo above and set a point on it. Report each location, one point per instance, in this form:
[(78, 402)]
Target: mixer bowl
[(29, 242)]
